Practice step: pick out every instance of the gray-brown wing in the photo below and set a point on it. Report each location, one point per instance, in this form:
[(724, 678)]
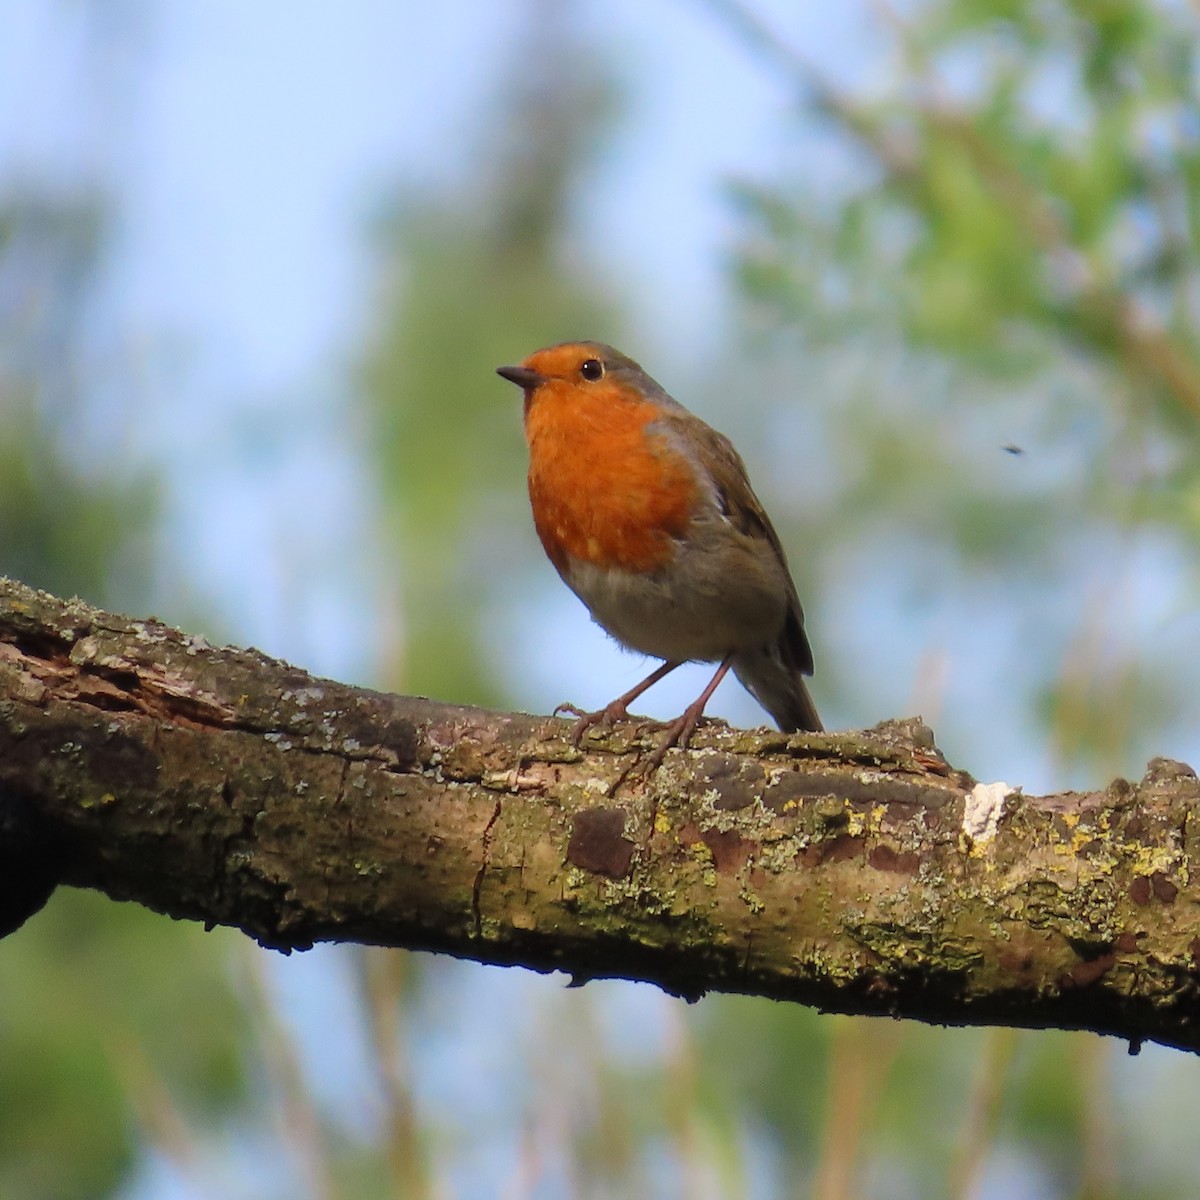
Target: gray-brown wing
[(743, 509)]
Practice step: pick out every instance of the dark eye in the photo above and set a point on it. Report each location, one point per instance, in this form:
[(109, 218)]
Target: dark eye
[(592, 369)]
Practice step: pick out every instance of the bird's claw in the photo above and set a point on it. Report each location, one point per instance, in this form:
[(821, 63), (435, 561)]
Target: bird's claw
[(678, 733), (605, 718)]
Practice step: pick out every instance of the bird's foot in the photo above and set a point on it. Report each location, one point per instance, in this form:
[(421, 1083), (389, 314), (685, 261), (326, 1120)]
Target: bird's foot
[(605, 717), (678, 733)]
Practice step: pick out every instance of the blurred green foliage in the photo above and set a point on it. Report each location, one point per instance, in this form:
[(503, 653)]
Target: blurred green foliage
[(71, 520), (102, 1006), (1004, 226)]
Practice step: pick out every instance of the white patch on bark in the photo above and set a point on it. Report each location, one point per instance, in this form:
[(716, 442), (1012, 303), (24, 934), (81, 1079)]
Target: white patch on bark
[(981, 813)]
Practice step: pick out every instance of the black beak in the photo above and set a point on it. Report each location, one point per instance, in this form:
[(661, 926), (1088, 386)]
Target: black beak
[(523, 377)]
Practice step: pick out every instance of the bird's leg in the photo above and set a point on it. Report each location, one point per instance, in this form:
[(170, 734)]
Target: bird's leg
[(678, 732), (681, 729), (619, 708)]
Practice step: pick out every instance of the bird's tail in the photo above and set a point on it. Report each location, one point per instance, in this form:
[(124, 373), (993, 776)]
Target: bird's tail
[(779, 687)]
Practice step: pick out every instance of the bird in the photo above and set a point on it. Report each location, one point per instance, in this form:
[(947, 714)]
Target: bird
[(648, 516)]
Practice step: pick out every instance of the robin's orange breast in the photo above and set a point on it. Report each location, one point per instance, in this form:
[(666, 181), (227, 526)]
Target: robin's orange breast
[(604, 487)]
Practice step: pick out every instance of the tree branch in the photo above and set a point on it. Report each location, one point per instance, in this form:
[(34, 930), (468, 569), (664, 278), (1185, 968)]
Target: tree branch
[(857, 872)]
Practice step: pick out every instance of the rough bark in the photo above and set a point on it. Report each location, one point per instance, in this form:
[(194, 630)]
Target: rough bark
[(856, 871)]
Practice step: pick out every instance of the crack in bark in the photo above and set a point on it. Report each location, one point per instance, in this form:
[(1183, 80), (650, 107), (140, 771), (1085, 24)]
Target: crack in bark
[(477, 886), (746, 956)]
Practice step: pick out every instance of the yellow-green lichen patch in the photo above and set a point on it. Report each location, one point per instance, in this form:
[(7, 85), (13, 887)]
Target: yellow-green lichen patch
[(104, 800)]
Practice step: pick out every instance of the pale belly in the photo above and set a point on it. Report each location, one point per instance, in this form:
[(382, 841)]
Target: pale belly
[(707, 603)]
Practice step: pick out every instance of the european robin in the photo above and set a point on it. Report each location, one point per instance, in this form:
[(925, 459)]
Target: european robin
[(649, 517)]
